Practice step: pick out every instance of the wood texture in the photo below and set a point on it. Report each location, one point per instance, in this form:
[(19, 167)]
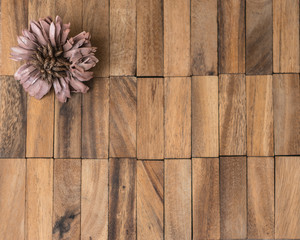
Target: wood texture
[(150, 200), (95, 119), (231, 36), (39, 9), (178, 199), (150, 118), (205, 118), (206, 198), (177, 97), (232, 114), (204, 47)]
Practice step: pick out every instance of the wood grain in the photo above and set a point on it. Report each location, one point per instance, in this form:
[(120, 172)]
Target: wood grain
[(259, 37), (286, 92), (150, 200), (206, 198), (178, 199), (12, 200), (66, 203), (122, 119), (177, 97), (95, 119), (233, 197), (40, 9), (232, 112), (231, 36), (94, 199), (39, 198), (150, 58), (205, 118), (177, 38), (204, 37), (259, 116), (150, 118), (286, 36), (287, 202), (12, 118), (260, 197), (122, 199)]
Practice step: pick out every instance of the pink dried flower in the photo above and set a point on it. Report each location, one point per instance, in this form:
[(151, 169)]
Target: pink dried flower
[(53, 59)]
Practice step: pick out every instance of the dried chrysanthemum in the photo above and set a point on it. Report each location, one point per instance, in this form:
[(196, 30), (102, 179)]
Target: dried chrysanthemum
[(53, 59)]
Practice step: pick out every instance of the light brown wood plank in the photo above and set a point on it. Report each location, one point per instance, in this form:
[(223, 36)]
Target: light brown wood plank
[(260, 197), (204, 37), (40, 9), (39, 198), (287, 202), (231, 36), (150, 118), (122, 199), (150, 200), (259, 116), (177, 97), (286, 36), (177, 38), (286, 95), (12, 200), (122, 117), (95, 119), (232, 114), (206, 198), (150, 59), (94, 199), (233, 197), (205, 120), (178, 199)]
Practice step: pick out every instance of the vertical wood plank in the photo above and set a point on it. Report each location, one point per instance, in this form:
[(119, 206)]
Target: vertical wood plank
[(122, 199), (150, 200), (95, 119), (231, 36), (205, 118), (204, 37), (177, 97), (12, 200), (150, 118), (232, 112), (40, 9), (206, 198)]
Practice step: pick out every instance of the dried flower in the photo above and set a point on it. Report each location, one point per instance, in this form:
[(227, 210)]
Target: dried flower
[(53, 59)]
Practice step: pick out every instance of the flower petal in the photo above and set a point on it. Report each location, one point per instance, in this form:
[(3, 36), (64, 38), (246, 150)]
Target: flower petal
[(52, 34), (45, 88), (78, 86), (38, 32), (19, 72)]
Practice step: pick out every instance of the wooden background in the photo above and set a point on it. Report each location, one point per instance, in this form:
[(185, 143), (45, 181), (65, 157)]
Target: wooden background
[(191, 128)]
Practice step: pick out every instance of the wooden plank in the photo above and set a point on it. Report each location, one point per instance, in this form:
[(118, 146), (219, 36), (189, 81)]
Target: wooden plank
[(204, 37), (122, 117), (95, 119), (12, 118), (12, 200), (205, 117), (259, 37), (66, 203), (287, 198), (231, 36), (122, 37), (286, 91), (94, 199), (150, 59), (150, 118), (39, 189), (38, 9), (177, 38), (286, 36), (260, 197), (150, 200), (232, 112), (259, 116), (233, 197), (206, 198), (177, 97), (122, 199)]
